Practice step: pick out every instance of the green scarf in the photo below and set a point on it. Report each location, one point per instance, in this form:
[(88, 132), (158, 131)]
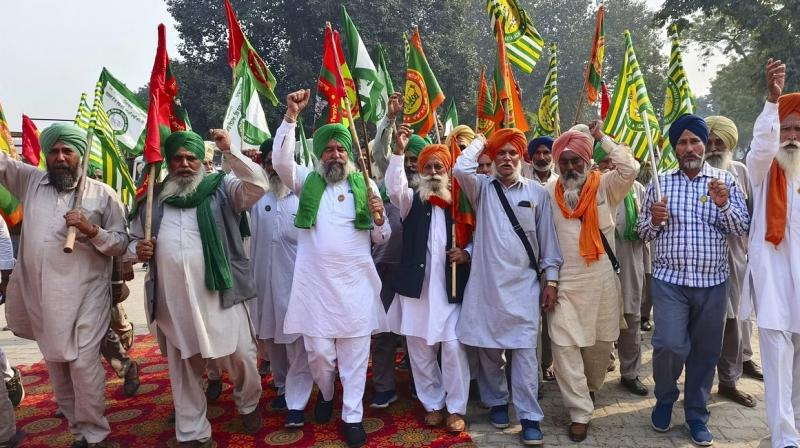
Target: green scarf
[(631, 216), (218, 268), (313, 188)]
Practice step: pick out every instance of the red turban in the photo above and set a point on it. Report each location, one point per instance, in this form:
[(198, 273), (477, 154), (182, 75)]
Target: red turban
[(439, 152), (575, 141), (787, 104), (502, 137)]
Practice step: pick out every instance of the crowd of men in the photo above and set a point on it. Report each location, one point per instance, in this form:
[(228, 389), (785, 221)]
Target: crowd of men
[(565, 248)]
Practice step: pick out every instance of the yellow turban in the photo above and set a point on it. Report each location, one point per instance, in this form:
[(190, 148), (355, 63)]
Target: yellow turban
[(725, 129), (460, 131)]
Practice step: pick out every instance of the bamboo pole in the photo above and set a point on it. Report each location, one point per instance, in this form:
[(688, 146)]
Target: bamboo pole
[(72, 232), (377, 217), (579, 108), (652, 153), (148, 217)]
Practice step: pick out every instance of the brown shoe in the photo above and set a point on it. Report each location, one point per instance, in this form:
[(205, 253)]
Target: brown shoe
[(252, 421), (734, 394), (434, 418), (456, 423), (578, 431)]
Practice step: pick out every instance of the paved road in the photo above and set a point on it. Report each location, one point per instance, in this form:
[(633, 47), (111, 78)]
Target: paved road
[(621, 419)]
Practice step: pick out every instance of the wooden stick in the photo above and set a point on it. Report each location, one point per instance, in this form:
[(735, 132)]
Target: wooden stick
[(148, 217), (507, 116), (436, 125), (579, 108), (363, 126), (653, 166), (72, 232), (377, 217)]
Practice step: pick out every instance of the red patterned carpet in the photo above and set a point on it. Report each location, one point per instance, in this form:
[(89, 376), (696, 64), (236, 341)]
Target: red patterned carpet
[(143, 420)]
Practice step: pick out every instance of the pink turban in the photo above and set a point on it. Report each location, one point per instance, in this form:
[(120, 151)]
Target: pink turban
[(575, 141)]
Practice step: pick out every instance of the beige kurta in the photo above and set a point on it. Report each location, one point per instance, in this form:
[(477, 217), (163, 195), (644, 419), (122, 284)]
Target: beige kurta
[(589, 307), (631, 257), (63, 301)]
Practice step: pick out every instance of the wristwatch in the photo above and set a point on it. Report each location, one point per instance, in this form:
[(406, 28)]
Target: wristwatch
[(552, 283)]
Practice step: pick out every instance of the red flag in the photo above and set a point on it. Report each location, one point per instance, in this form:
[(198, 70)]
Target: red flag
[(605, 101), (330, 84), (462, 212), (158, 112), (235, 36), (31, 151)]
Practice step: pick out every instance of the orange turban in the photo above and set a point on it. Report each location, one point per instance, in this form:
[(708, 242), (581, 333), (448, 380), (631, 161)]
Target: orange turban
[(502, 137), (575, 141), (439, 152), (787, 104)]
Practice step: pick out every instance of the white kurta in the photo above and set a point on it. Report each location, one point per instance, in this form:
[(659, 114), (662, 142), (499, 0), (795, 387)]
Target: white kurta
[(273, 250), (61, 300), (502, 299), (189, 314), (431, 316), (775, 270), (336, 288)]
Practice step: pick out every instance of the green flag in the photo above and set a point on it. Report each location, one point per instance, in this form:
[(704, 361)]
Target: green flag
[(450, 117), (364, 73), (523, 42), (548, 121), (678, 101), (629, 103), (126, 114), (387, 88), (245, 120)]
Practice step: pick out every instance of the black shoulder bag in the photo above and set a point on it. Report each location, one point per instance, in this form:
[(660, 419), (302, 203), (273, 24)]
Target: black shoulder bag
[(517, 227)]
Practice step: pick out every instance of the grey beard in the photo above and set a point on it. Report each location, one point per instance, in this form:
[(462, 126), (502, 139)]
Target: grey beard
[(434, 185), (572, 188), (276, 186), (181, 186), (62, 181), (335, 172), (543, 169), (721, 160), (789, 158), (515, 176), (413, 180)]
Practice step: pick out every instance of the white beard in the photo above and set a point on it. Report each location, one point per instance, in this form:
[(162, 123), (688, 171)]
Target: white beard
[(721, 160), (545, 169), (435, 185), (515, 176), (572, 189), (789, 159), (180, 187), (277, 187)]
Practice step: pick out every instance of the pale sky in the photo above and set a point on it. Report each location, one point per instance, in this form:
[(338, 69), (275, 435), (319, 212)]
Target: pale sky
[(54, 51)]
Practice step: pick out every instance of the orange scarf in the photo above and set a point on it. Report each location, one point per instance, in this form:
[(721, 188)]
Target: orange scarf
[(776, 204), (591, 246)]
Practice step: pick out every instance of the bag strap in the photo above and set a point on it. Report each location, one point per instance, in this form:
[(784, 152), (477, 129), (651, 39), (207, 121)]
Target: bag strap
[(515, 224), (611, 257)]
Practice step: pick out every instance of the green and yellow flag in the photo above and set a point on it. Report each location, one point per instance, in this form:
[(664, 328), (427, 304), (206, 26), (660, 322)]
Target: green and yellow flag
[(523, 42), (678, 101), (6, 142), (104, 153), (629, 104), (10, 208), (548, 121), (422, 95)]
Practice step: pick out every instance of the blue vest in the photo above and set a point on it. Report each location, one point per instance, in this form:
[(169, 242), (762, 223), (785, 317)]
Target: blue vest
[(411, 275)]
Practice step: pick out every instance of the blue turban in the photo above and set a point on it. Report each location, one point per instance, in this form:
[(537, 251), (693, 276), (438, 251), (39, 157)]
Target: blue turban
[(691, 123), (539, 141)]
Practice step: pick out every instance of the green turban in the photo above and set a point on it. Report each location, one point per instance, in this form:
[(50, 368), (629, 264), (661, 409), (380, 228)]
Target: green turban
[(333, 131), (415, 144), (599, 153), (725, 129), (189, 140), (70, 134)]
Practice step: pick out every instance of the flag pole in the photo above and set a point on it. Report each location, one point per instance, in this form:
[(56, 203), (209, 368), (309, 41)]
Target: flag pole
[(436, 125), (72, 232), (363, 123), (361, 162), (148, 215), (579, 108), (652, 153)]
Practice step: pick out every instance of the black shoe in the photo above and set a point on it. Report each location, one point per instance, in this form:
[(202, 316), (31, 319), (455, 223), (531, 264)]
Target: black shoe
[(646, 325), (294, 419), (278, 403), (263, 368), (79, 444), (214, 390), (354, 434), (16, 392), (131, 384), (323, 411), (634, 386), (753, 370)]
